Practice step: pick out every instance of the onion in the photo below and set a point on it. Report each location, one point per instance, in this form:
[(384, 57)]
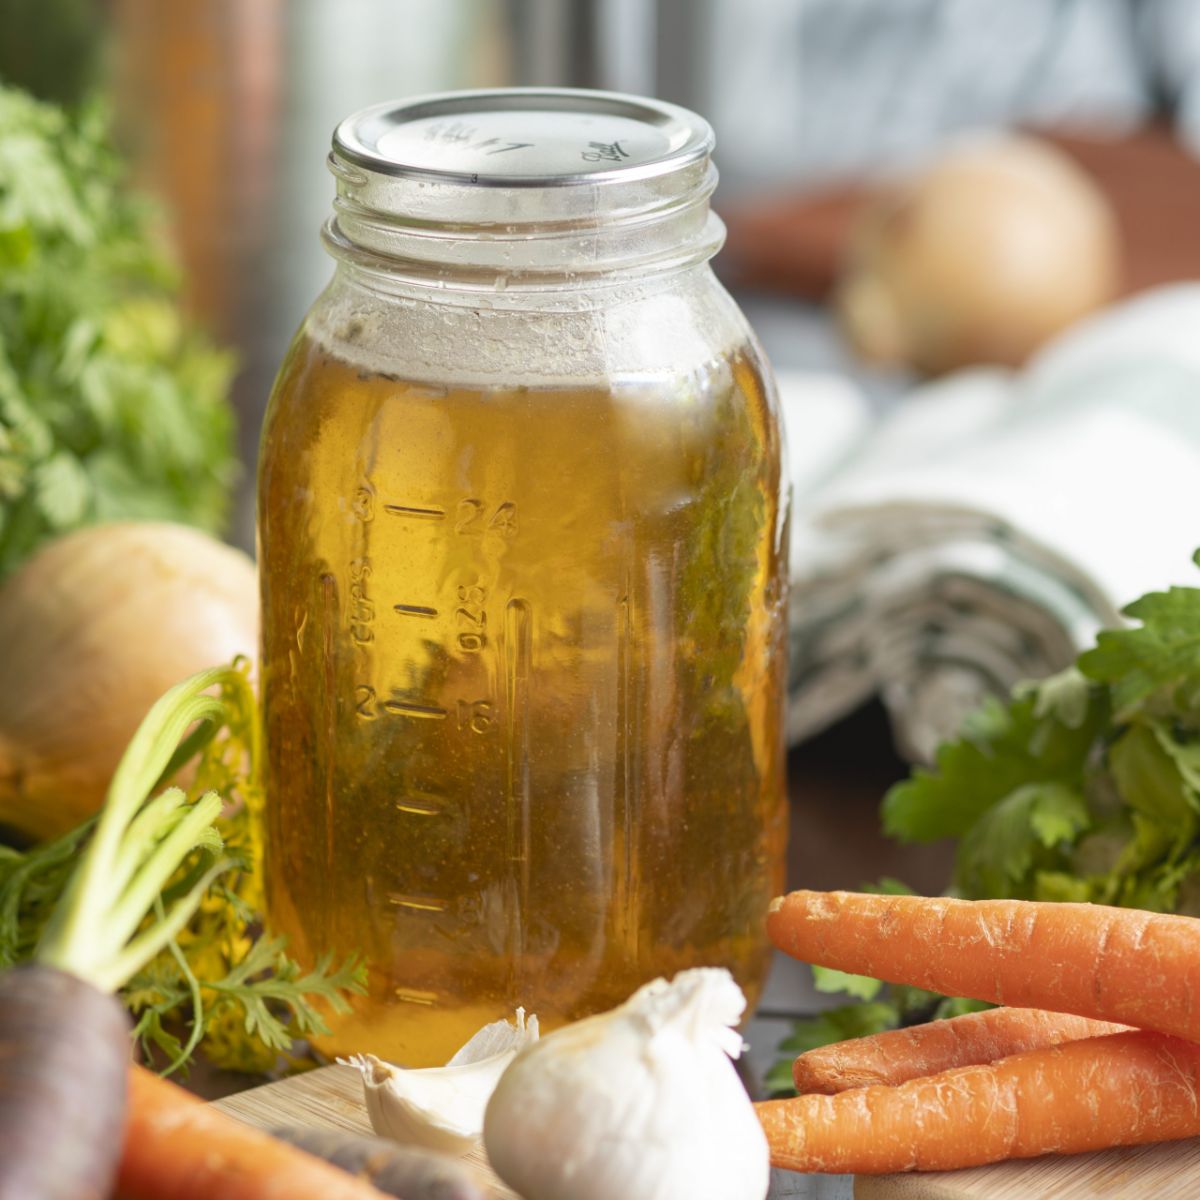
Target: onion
[(93, 629), (998, 245)]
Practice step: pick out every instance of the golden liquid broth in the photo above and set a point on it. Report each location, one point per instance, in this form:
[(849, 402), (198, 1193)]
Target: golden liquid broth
[(523, 666)]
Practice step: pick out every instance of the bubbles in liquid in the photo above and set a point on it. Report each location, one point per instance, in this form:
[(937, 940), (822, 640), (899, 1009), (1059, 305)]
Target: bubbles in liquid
[(525, 747)]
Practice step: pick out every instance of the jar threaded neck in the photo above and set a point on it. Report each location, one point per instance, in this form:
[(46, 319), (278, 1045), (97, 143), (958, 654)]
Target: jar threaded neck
[(419, 196)]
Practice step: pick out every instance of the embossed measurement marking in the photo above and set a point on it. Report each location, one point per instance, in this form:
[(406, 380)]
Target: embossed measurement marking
[(472, 518), (421, 804), (418, 903), (414, 610), (404, 708), (471, 618), (433, 513), (415, 995)]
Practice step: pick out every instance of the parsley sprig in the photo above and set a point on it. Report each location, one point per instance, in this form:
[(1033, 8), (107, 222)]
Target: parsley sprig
[(1084, 787), (111, 405)]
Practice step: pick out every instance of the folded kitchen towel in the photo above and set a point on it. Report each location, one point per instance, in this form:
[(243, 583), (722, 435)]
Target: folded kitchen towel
[(992, 522)]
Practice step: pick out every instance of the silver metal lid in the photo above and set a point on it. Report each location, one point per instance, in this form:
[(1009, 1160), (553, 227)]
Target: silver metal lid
[(524, 137)]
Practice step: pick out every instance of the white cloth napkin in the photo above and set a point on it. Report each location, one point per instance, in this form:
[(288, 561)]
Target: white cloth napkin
[(986, 528)]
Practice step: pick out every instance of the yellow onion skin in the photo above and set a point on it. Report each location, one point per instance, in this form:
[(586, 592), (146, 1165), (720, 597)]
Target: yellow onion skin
[(981, 257), (93, 629)]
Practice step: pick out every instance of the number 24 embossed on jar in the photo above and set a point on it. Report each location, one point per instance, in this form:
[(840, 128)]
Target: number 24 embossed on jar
[(523, 538)]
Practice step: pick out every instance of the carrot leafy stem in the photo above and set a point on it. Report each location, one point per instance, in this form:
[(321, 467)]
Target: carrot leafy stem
[(159, 896), (96, 928)]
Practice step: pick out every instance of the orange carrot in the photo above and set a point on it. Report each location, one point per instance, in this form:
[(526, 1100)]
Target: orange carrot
[(1120, 1090), (1114, 964), (178, 1148), (899, 1055)]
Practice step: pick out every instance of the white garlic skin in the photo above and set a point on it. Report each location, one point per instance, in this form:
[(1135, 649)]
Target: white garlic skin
[(642, 1103), (441, 1108)]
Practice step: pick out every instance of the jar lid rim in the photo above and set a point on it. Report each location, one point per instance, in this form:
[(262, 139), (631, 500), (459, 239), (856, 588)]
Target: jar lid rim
[(524, 137)]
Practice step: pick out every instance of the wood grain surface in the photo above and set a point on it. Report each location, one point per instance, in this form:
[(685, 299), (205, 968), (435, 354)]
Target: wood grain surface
[(1167, 1171), (331, 1098), (328, 1098)]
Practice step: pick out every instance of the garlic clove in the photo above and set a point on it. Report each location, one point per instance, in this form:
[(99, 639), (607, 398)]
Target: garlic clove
[(497, 1038), (642, 1102), (442, 1108)]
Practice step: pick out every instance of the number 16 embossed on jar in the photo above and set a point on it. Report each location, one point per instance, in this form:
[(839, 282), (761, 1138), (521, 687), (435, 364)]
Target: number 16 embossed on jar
[(523, 550)]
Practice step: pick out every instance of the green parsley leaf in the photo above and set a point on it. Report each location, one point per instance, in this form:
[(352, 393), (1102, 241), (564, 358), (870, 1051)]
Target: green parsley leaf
[(1002, 748), (828, 979), (1183, 745), (997, 854), (1063, 697), (958, 1006), (1061, 887), (839, 1024), (1150, 784), (109, 406), (887, 886), (1153, 661)]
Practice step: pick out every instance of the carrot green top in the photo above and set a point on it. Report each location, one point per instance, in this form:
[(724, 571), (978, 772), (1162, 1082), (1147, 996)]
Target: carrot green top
[(96, 929)]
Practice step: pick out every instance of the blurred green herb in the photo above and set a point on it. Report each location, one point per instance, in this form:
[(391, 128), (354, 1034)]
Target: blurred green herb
[(52, 48), (110, 406), (1085, 787)]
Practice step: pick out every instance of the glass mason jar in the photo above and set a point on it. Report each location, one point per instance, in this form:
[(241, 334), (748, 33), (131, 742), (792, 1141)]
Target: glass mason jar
[(523, 537)]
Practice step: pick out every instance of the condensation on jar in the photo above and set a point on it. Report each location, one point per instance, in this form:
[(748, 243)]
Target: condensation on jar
[(523, 538)]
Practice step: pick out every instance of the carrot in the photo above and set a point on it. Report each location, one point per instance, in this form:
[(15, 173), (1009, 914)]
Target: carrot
[(63, 1050), (179, 1148), (64, 1038), (411, 1172), (899, 1055), (1119, 1090), (1113, 964)]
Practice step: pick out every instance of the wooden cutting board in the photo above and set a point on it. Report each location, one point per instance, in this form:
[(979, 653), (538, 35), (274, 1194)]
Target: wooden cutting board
[(1168, 1171), (332, 1097)]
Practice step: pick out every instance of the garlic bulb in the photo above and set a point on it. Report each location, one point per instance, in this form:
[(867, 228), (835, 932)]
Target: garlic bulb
[(442, 1107), (641, 1103)]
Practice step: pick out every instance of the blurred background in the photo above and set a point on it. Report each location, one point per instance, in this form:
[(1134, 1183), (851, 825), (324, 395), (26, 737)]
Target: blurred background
[(225, 109), (971, 503)]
